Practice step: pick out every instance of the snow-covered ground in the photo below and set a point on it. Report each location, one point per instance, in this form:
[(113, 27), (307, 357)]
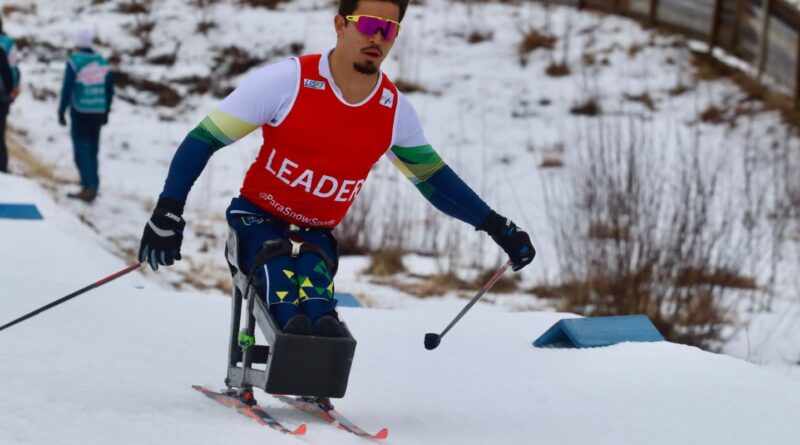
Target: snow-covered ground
[(494, 120), (116, 365)]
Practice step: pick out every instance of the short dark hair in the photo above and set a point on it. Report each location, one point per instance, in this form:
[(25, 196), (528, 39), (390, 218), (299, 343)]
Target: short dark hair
[(346, 7)]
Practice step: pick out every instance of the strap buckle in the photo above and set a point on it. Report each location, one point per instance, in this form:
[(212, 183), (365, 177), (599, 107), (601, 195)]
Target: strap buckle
[(297, 243)]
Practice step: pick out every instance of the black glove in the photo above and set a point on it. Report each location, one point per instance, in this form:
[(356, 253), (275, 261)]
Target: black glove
[(515, 242), (62, 120), (163, 234)]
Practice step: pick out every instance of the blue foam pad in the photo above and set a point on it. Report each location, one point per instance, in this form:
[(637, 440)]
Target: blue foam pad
[(346, 300), (592, 332), (19, 211)]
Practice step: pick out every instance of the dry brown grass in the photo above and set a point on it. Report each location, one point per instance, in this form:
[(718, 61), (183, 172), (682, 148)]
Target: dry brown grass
[(506, 284), (441, 284), (33, 167), (644, 99), (600, 231), (635, 49), (386, 262), (706, 67), (551, 162), (709, 68), (678, 89), (692, 276)]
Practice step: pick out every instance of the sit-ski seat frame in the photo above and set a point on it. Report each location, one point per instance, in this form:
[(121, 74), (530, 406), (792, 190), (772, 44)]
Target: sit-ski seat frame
[(301, 365)]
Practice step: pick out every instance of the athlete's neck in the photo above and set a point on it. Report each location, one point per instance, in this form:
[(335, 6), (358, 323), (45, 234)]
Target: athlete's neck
[(355, 86)]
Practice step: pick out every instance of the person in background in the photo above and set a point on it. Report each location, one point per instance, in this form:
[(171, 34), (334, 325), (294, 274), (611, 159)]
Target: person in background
[(9, 88), (87, 91)]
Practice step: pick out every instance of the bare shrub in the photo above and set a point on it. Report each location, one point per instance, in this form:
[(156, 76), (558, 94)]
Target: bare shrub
[(233, 60), (269, 4), (166, 59), (557, 69), (164, 95), (143, 25), (18, 9), (479, 36), (645, 238), (678, 89), (204, 23), (533, 40), (713, 115), (408, 86), (590, 107)]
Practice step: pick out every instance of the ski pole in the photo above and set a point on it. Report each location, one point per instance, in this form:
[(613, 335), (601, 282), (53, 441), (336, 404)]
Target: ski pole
[(432, 340), (105, 280)]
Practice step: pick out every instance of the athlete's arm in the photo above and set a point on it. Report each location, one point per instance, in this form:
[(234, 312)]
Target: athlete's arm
[(414, 156), (438, 183), (66, 89), (264, 97), (6, 75)]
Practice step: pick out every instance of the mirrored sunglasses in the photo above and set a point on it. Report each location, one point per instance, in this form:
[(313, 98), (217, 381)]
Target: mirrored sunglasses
[(369, 25)]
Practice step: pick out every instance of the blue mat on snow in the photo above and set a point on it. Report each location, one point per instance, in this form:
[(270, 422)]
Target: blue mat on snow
[(346, 300), (592, 332), (19, 211)]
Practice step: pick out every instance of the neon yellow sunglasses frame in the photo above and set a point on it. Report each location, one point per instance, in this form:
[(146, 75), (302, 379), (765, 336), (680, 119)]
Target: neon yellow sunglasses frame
[(354, 18)]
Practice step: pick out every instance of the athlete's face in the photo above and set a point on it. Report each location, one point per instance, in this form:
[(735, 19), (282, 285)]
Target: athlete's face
[(366, 52)]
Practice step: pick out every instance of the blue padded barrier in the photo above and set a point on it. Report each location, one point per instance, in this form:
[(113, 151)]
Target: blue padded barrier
[(592, 332)]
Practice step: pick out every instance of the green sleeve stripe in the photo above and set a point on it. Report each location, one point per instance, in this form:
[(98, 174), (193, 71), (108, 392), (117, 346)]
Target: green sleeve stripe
[(202, 134), (426, 189), (219, 129), (418, 164)]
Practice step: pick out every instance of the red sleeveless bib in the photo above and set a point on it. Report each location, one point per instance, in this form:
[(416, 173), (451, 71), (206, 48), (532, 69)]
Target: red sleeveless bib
[(313, 164)]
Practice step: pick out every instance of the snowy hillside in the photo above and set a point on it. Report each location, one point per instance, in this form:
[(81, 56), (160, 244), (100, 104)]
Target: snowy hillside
[(116, 365)]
